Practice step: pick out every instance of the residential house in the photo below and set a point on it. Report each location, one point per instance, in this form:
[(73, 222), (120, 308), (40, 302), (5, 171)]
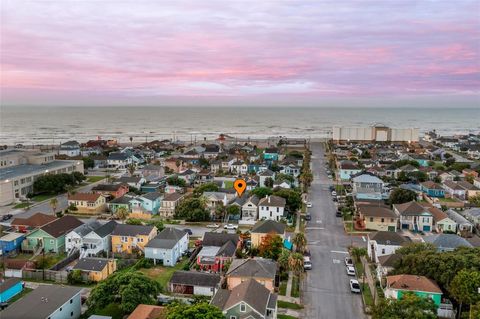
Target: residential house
[(383, 243), (376, 217), (414, 216), (264, 227), (167, 247), (386, 264), (281, 184), (74, 238), (262, 270), (88, 203), (476, 182), (463, 224), (153, 187), (111, 190), (130, 238), (47, 301), (271, 207), (421, 286), (205, 176), (347, 169), (96, 269), (467, 172), (51, 237), (146, 205), (169, 203), (148, 312), (263, 176), (37, 220), (270, 154), (291, 169), (194, 283), (446, 242), (250, 210), (188, 176), (153, 173), (473, 215), (441, 221), (239, 168), (215, 199), (217, 250), (211, 151), (367, 186), (120, 202), (119, 160), (11, 242), (247, 300), (432, 189), (9, 288), (132, 181), (70, 148), (98, 240)]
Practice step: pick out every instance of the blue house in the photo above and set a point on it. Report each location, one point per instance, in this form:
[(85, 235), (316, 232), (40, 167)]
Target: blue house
[(432, 189), (270, 154), (150, 187), (10, 288), (347, 169), (149, 202), (167, 247), (11, 242)]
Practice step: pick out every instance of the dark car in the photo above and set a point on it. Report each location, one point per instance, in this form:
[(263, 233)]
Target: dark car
[(338, 213), (7, 217), (308, 217), (188, 231)]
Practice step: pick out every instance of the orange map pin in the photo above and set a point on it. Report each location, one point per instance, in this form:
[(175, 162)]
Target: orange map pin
[(240, 185)]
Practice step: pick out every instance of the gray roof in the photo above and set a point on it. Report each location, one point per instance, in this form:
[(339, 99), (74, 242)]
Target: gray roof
[(410, 208), (272, 201), (472, 212), (194, 278), (91, 264), (117, 156), (389, 260), (267, 226), (456, 217), (172, 196), (227, 250), (129, 179), (86, 228), (106, 229), (151, 195), (218, 239), (447, 241), (31, 169), (131, 230), (253, 267), (167, 238), (41, 302), (125, 199), (388, 238), (267, 172)]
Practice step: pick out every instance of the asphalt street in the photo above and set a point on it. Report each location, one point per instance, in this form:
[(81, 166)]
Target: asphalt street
[(326, 290)]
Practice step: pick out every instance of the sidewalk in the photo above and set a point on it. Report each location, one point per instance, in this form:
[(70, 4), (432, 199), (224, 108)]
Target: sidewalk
[(369, 278)]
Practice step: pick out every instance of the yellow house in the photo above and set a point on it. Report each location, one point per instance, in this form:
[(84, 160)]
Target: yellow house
[(88, 203), (378, 218), (129, 238), (96, 269), (264, 227)]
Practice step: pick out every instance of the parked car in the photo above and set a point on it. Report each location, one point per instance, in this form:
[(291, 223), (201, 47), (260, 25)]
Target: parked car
[(330, 176), (354, 286), (348, 262), (307, 265), (7, 217), (308, 217), (230, 226), (188, 231), (334, 193), (350, 271), (213, 225), (309, 204), (338, 213)]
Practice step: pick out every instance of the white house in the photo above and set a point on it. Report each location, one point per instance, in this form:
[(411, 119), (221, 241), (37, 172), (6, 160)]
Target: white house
[(119, 160), (250, 210), (264, 175), (74, 239), (167, 247), (194, 283), (414, 217), (93, 242), (70, 148), (271, 207), (383, 243)]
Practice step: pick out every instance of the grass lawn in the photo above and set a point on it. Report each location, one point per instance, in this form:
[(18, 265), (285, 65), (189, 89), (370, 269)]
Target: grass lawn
[(295, 287), (367, 294), (339, 188), (22, 205), (42, 197), (228, 184), (282, 316), (163, 274), (50, 259), (288, 305), (282, 290), (447, 200), (20, 295), (112, 310), (358, 268), (93, 179)]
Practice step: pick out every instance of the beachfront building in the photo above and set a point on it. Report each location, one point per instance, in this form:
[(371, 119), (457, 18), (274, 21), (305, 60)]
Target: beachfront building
[(374, 133)]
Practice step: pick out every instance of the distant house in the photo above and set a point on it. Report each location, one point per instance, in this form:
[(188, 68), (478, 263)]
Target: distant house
[(167, 247), (152, 172), (194, 283), (414, 216), (270, 154), (347, 169), (447, 242), (432, 189), (9, 288), (386, 264), (260, 269), (98, 240), (11, 242), (47, 301), (35, 221), (70, 149), (169, 203), (112, 190), (377, 217), (271, 207), (128, 238), (51, 236), (188, 176), (96, 269), (217, 250), (247, 300), (263, 176), (421, 286), (367, 186), (383, 243), (215, 199), (463, 225), (441, 221), (146, 205), (132, 181), (473, 215), (74, 238), (88, 203), (148, 312), (264, 227), (119, 160), (250, 210), (120, 202)]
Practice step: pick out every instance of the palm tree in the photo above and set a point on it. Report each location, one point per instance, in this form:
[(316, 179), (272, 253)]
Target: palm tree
[(53, 204), (358, 252), (300, 242), (131, 169), (295, 263), (283, 259), (131, 140), (122, 213), (177, 164)]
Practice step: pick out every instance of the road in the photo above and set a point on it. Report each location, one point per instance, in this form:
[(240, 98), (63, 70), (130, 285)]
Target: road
[(326, 287)]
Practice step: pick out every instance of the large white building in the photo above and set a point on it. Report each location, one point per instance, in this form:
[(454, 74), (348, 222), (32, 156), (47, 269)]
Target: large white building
[(19, 169), (375, 133)]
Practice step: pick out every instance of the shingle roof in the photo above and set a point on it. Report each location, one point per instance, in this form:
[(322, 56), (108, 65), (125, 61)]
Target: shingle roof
[(388, 238), (272, 201), (36, 220), (437, 214), (167, 238), (91, 264), (389, 260), (447, 241), (108, 187), (267, 173), (431, 185), (148, 312), (376, 211), (131, 230), (268, 226), (253, 267), (219, 239), (106, 229), (410, 208), (413, 283), (61, 226), (195, 278), (86, 228), (172, 196)]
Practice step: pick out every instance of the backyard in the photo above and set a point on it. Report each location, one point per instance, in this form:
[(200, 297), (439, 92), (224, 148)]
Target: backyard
[(163, 274)]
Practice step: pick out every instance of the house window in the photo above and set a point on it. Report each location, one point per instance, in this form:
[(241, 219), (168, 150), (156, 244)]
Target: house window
[(243, 307), (71, 314), (383, 251), (71, 300), (233, 317), (52, 241), (371, 219), (383, 220), (391, 220), (60, 308)]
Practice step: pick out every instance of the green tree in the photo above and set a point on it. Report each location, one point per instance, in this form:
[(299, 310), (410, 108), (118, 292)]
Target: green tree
[(158, 224), (88, 162), (400, 196), (53, 204), (284, 178), (464, 287), (271, 246), (75, 277), (269, 182), (283, 259), (474, 200), (133, 221), (261, 192), (293, 198), (201, 310), (300, 242), (192, 209), (175, 181), (207, 187), (122, 213), (131, 169), (233, 210), (410, 306), (358, 252), (295, 263)]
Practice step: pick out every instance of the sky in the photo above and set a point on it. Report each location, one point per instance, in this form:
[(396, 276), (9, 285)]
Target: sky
[(235, 53)]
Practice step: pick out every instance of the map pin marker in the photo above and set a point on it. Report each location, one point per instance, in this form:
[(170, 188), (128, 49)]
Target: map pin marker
[(240, 185)]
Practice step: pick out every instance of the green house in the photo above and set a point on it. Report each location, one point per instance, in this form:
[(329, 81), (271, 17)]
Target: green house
[(51, 236), (399, 285)]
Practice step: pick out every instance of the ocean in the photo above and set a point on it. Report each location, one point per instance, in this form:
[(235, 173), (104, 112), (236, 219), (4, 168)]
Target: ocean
[(54, 125)]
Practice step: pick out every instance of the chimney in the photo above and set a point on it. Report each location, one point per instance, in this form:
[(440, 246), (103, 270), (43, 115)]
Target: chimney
[(269, 199)]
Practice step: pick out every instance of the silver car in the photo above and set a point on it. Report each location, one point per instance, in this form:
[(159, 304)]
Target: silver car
[(354, 286)]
